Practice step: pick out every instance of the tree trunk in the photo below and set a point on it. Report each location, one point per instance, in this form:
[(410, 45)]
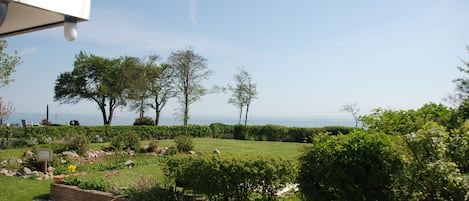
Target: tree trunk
[(246, 118), (240, 114)]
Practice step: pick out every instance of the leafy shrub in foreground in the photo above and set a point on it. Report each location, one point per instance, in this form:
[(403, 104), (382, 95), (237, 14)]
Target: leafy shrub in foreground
[(358, 166), (232, 177)]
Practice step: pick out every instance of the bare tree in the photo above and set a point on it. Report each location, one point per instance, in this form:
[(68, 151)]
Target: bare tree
[(243, 93), (352, 108), (5, 110), (189, 69)]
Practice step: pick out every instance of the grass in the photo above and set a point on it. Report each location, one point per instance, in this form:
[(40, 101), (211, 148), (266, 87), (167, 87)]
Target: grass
[(207, 145), (28, 189), (19, 189)]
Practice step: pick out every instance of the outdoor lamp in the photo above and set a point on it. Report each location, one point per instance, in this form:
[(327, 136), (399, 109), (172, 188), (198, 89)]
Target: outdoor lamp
[(3, 11), (70, 28)]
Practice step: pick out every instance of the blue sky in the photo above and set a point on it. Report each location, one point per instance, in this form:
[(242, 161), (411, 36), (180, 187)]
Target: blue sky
[(308, 57)]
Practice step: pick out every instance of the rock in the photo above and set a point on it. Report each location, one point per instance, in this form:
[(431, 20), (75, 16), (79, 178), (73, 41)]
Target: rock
[(3, 171), (129, 163), (27, 171), (45, 176), (191, 152), (4, 163), (70, 154), (162, 151), (50, 169), (29, 154), (216, 151), (90, 154)]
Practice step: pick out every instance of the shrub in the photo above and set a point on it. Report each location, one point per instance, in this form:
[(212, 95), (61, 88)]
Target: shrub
[(232, 177), (184, 143), (149, 190), (358, 166), (144, 121), (127, 140), (430, 172)]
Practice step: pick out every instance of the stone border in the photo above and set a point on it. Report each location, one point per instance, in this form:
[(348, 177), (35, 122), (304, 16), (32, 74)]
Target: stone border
[(61, 192)]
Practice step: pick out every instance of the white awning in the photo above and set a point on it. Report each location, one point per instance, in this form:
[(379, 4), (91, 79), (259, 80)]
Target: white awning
[(23, 16)]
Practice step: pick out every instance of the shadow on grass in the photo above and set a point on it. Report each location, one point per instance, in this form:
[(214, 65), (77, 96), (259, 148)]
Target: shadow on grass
[(42, 197)]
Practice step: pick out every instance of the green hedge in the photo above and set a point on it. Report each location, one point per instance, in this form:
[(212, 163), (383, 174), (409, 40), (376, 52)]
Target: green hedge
[(45, 134), (285, 134), (232, 177)]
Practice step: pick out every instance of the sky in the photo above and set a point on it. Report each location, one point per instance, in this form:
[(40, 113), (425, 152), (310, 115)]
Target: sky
[(307, 57)]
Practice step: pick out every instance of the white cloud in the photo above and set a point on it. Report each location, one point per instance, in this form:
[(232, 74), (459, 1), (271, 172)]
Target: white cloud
[(193, 11), (129, 32), (26, 51)]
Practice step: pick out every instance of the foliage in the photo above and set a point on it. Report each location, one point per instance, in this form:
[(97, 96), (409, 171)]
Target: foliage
[(97, 184), (184, 143), (189, 70), (407, 121), (162, 88), (220, 130), (97, 79), (76, 143), (462, 84), (358, 166), (6, 108), (430, 172), (150, 190), (125, 141), (7, 64), (282, 133), (144, 121), (224, 177), (243, 93)]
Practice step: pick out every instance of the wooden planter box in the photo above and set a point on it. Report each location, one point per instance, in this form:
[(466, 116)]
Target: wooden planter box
[(60, 192)]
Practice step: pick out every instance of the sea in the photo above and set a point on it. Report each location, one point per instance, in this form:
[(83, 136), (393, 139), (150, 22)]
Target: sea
[(96, 119)]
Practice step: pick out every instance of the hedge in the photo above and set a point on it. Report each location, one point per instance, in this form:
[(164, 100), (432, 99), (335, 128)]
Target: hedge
[(232, 177), (45, 134)]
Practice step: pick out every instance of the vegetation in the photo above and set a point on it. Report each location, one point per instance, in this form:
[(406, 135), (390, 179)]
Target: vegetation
[(189, 70), (226, 177), (359, 166), (243, 93), (97, 79)]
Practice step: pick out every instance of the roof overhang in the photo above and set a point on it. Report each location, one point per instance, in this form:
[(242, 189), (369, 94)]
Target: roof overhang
[(23, 16)]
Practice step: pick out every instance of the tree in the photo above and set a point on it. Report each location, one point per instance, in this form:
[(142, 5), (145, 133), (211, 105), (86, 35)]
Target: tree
[(189, 69), (5, 110), (243, 93), (7, 64), (462, 84), (162, 88), (352, 108), (96, 79), (138, 76)]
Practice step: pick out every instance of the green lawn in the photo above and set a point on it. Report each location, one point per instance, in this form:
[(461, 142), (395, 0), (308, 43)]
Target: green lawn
[(28, 189), (19, 189)]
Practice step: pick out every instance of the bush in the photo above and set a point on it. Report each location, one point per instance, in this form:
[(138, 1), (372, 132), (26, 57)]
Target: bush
[(144, 121), (184, 143), (232, 177), (431, 174), (358, 166), (150, 190), (127, 140)]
